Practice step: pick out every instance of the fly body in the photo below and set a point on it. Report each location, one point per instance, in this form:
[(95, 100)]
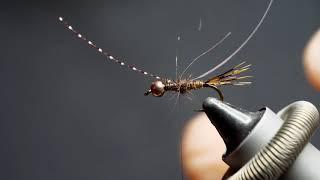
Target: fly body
[(230, 77), (158, 88)]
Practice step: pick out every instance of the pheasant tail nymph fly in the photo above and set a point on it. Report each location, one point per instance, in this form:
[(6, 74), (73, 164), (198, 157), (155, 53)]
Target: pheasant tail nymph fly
[(230, 77), (180, 85)]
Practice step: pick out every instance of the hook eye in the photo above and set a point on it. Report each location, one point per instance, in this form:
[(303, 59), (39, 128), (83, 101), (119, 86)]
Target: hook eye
[(148, 92)]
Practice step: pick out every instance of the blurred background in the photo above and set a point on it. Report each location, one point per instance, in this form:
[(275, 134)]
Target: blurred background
[(66, 113)]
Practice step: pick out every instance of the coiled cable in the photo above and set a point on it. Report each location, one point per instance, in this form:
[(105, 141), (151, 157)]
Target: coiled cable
[(301, 118)]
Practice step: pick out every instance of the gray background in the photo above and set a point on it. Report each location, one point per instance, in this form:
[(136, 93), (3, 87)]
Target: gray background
[(67, 114)]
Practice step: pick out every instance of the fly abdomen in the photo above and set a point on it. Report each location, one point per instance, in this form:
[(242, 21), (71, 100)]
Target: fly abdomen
[(193, 85), (182, 86)]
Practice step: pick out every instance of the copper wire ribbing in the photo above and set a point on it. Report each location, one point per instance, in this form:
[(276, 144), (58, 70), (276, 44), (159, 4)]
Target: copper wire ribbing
[(183, 86)]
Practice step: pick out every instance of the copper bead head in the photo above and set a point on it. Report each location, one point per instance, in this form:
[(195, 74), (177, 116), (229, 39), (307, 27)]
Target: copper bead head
[(157, 88)]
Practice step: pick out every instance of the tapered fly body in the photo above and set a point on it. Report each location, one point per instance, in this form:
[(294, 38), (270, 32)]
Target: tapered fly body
[(230, 77)]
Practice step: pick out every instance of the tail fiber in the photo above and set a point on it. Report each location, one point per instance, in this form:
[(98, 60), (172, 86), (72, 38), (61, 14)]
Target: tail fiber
[(231, 77)]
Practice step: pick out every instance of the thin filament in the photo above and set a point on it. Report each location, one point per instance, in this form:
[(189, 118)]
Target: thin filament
[(176, 66), (200, 24), (206, 52), (177, 58), (241, 46)]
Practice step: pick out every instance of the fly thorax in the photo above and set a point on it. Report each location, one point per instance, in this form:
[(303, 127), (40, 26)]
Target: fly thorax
[(170, 85)]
